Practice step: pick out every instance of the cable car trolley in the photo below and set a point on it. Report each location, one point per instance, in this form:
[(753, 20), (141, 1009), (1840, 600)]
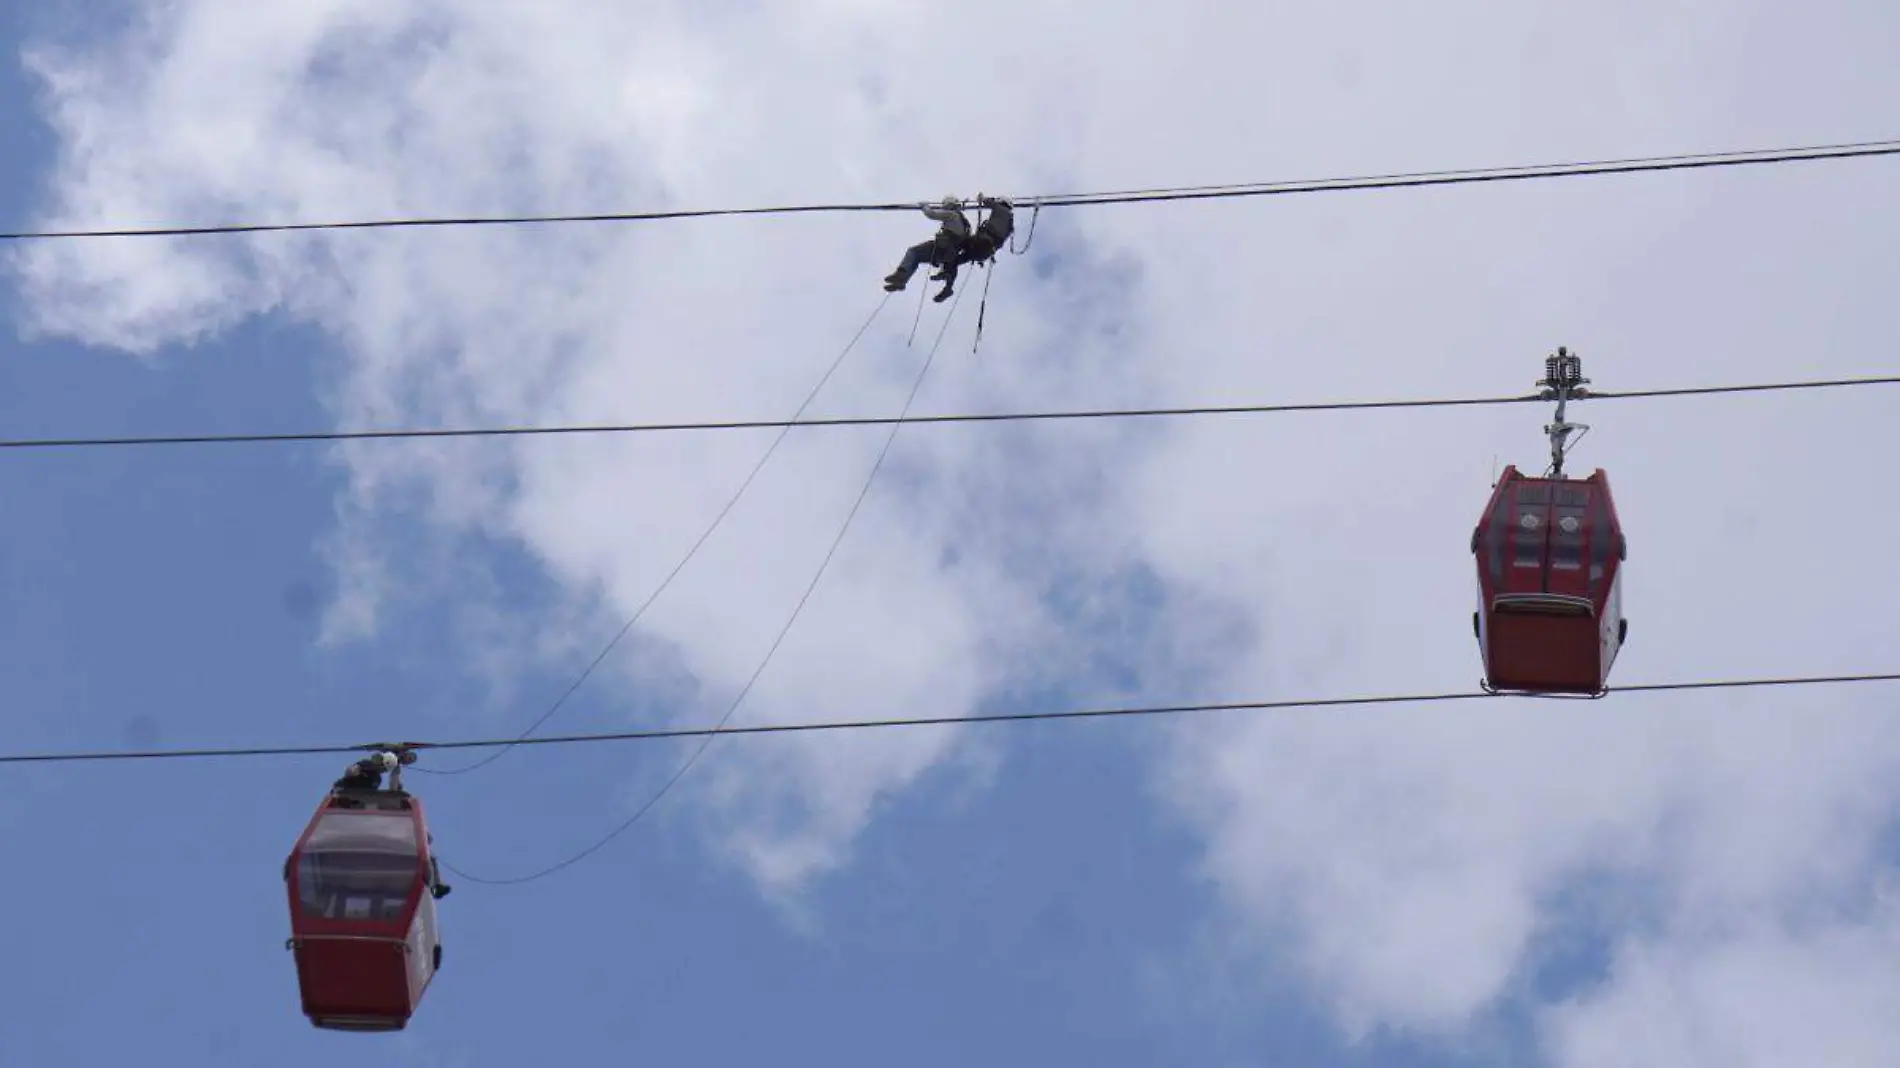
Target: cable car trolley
[(362, 885), (1549, 554)]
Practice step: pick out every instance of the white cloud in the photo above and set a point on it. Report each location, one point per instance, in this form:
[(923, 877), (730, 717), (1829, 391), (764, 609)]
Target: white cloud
[(1403, 860), (1765, 996), (1413, 856)]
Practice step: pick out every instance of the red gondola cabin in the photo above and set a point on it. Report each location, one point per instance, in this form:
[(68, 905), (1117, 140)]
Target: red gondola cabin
[(362, 911), (1550, 608)]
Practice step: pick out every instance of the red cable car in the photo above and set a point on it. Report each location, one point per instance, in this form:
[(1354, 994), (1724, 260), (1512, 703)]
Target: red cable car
[(362, 887), (1549, 554)]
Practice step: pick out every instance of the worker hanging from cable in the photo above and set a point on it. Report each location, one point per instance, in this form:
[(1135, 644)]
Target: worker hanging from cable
[(980, 247), (940, 251), (955, 244)]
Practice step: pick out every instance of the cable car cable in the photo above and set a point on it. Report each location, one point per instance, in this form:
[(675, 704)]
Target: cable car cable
[(704, 536), (1183, 193), (922, 420), (707, 735), (661, 733), (1573, 164)]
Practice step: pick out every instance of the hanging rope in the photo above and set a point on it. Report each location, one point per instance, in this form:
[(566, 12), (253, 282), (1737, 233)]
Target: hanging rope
[(1035, 209), (918, 318), (983, 306)]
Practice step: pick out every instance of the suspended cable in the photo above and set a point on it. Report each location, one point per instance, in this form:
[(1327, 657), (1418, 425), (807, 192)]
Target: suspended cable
[(1571, 165), (690, 553), (916, 420), (799, 607), (661, 733), (1329, 185)]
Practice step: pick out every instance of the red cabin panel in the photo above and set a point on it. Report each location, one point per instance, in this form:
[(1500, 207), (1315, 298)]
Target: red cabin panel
[(362, 916), (1549, 554)]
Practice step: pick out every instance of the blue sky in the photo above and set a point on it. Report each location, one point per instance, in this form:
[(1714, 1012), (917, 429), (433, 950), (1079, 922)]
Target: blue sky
[(168, 598), (1605, 884), (164, 598)]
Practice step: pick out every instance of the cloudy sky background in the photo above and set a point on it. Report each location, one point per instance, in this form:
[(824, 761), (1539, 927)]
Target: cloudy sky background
[(1696, 879)]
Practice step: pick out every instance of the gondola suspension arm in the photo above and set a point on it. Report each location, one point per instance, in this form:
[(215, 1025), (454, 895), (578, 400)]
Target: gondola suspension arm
[(1563, 381)]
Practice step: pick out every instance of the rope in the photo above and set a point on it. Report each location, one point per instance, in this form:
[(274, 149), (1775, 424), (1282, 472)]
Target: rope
[(919, 317), (1029, 238), (704, 536), (798, 608), (983, 306)]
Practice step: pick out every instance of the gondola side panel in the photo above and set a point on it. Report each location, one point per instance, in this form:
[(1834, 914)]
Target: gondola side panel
[(355, 985), (1610, 633), (421, 938), (423, 947), (1544, 654)]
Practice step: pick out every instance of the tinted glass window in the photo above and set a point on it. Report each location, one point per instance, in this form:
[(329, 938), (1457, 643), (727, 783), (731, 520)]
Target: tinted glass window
[(358, 866)]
